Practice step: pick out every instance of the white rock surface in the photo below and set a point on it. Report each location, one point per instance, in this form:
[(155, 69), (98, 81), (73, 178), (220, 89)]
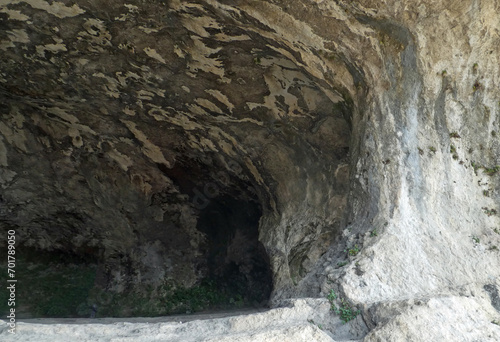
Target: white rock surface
[(300, 321), (441, 319)]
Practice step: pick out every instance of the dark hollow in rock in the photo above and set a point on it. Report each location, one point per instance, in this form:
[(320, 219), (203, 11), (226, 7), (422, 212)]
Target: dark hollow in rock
[(493, 293), (236, 259), (198, 172)]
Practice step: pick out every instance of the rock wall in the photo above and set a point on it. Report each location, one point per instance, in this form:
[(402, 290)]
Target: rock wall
[(360, 137)]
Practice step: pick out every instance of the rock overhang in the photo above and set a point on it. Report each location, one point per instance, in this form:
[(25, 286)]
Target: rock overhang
[(335, 118), (145, 114)]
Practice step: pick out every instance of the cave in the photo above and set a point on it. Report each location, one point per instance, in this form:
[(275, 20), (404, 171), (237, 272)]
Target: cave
[(175, 157), (215, 181), (236, 259)]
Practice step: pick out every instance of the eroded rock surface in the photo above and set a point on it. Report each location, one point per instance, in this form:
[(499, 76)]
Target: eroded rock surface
[(290, 147)]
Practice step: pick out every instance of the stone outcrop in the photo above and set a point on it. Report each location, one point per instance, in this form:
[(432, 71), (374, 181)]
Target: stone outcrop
[(288, 147)]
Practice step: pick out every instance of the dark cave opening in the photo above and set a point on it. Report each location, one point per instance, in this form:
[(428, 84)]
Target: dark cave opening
[(236, 260)]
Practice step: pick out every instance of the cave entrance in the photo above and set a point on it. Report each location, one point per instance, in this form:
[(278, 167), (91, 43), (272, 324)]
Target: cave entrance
[(236, 260)]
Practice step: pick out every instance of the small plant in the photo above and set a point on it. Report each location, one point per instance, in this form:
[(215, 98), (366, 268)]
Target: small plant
[(493, 133), (313, 323), (489, 212), (344, 310), (491, 171), (493, 248), (353, 251), (453, 150), (496, 230), (332, 296), (432, 149), (495, 322), (476, 86), (257, 60), (443, 73), (475, 66), (455, 135), (373, 233), (475, 239), (420, 151), (342, 263), (486, 193)]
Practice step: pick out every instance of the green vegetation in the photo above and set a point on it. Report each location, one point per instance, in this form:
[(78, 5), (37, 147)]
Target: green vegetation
[(342, 263), (453, 151), (169, 299), (489, 212), (475, 239), (313, 323), (420, 151), (486, 193), (496, 230), (475, 66), (332, 296), (432, 149), (257, 61), (353, 251), (344, 310), (490, 171), (443, 73), (61, 285), (455, 135), (373, 233)]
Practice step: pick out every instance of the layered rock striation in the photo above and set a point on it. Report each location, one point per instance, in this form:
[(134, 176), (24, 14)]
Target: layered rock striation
[(288, 147)]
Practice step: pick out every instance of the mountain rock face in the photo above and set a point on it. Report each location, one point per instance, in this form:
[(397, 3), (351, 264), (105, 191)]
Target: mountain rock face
[(259, 151)]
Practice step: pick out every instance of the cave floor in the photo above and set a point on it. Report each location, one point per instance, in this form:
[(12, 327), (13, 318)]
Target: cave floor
[(202, 315)]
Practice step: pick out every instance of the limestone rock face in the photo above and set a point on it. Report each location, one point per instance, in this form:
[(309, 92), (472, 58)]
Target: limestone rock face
[(289, 147)]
